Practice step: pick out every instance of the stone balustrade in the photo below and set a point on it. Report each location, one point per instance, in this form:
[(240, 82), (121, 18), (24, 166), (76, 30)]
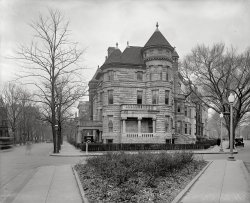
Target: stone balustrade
[(139, 107), (139, 135)]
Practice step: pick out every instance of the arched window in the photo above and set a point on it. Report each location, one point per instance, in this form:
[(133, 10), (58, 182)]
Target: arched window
[(110, 125)]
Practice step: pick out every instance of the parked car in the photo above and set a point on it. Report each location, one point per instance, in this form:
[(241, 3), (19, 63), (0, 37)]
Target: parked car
[(49, 141), (239, 142)]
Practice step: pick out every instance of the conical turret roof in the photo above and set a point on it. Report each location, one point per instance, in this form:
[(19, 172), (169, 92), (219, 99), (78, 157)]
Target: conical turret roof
[(157, 39)]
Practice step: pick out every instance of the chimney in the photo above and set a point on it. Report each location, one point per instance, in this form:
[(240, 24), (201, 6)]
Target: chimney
[(127, 44), (110, 50)]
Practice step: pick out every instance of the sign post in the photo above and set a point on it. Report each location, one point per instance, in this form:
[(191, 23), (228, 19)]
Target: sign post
[(87, 146), (87, 139)]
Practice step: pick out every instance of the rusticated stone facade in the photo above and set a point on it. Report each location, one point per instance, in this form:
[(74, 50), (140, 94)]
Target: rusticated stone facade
[(138, 97)]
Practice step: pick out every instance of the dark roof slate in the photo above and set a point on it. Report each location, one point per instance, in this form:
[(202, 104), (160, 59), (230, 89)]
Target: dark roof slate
[(132, 55), (157, 39)]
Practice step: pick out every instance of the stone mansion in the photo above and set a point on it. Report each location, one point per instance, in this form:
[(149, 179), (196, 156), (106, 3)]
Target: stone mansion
[(138, 96)]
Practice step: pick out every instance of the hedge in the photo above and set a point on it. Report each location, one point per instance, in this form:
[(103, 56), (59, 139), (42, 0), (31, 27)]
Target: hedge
[(142, 146)]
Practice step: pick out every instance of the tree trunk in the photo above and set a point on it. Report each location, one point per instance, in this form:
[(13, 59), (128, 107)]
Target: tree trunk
[(14, 136), (228, 130)]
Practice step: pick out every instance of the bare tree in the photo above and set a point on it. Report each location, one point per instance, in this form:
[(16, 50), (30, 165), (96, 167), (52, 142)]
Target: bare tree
[(25, 101), (50, 56), (68, 91), (216, 72), (11, 97)]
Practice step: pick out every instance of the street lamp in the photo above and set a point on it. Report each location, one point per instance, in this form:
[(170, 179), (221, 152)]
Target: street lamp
[(231, 101), (56, 128), (221, 117)]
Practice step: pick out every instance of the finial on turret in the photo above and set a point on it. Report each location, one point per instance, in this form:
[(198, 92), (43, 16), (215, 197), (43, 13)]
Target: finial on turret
[(157, 26), (116, 45), (127, 44)]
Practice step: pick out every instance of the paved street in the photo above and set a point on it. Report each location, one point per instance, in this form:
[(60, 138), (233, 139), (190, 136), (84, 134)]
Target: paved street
[(21, 170), (18, 166)]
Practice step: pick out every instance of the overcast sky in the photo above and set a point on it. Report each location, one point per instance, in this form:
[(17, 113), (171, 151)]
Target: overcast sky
[(98, 24)]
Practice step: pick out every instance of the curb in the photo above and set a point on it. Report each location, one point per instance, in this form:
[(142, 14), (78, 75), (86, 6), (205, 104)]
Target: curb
[(185, 190), (79, 184), (236, 152), (88, 155), (74, 155), (67, 155)]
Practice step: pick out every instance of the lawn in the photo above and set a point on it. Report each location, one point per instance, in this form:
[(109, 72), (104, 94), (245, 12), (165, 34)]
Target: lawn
[(143, 177)]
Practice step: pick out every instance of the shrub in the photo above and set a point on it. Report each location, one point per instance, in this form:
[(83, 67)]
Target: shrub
[(121, 167), (122, 177)]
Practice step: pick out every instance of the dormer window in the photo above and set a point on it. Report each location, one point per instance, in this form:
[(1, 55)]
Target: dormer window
[(110, 75)]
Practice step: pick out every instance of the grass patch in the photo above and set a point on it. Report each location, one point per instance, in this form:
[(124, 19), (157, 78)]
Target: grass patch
[(143, 177)]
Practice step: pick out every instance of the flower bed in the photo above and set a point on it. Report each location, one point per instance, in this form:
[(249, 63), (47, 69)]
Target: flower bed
[(143, 177)]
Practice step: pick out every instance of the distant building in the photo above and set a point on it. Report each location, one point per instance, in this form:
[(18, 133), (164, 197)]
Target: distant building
[(139, 96), (84, 110)]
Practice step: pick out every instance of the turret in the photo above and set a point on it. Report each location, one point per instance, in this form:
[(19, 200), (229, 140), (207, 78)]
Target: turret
[(157, 47)]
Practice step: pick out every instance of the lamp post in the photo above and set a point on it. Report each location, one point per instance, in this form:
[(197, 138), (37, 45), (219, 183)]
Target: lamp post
[(56, 128), (221, 117), (231, 100)]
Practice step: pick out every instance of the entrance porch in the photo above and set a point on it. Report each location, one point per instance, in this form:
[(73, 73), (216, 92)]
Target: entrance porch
[(138, 130)]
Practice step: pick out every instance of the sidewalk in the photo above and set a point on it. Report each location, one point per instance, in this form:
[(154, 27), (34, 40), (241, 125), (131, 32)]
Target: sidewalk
[(50, 184), (216, 149), (69, 150), (222, 182)]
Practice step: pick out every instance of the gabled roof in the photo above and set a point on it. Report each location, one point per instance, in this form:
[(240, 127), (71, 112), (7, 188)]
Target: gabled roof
[(157, 39), (132, 55), (96, 73), (114, 57)]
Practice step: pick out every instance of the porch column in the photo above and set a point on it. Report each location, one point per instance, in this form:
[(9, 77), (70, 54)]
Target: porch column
[(100, 136), (79, 136), (124, 124), (154, 119), (139, 124)]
